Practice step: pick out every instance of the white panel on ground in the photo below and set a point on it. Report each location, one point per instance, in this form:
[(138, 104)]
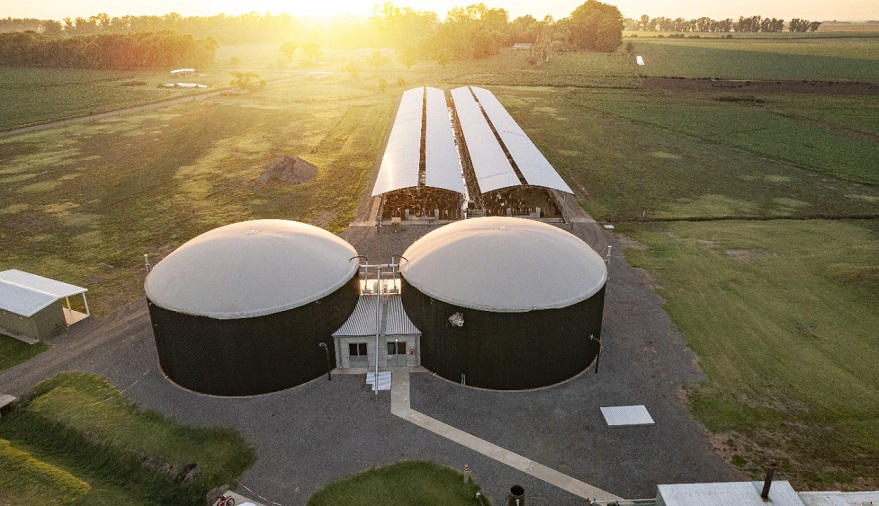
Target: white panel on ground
[(384, 380), (442, 165), (532, 164), (493, 170), (400, 163), (626, 416)]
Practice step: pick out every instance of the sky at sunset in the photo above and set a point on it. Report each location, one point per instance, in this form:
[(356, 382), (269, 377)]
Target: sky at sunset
[(815, 10)]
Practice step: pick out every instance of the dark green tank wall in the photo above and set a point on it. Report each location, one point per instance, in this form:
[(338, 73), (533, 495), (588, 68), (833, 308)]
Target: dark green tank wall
[(506, 351), (248, 356)]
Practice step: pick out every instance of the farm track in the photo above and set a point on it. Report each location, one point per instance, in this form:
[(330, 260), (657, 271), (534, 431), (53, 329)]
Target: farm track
[(129, 110)]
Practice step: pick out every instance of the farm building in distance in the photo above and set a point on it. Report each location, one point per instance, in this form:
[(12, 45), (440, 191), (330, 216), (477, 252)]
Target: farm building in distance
[(243, 309), (464, 156), (31, 306), (504, 303)]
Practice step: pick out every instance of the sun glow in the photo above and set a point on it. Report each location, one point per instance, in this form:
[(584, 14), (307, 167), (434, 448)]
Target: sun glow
[(319, 8)]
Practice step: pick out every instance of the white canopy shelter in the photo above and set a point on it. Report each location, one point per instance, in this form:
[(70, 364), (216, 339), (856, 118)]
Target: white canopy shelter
[(26, 294)]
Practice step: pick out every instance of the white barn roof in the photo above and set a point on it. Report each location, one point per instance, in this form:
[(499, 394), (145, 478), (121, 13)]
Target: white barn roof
[(535, 168), (504, 265), (401, 161), (490, 163), (26, 294), (252, 268), (442, 165)]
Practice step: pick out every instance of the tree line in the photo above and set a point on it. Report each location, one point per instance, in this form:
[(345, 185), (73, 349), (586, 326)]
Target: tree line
[(749, 24), (141, 50), (250, 27)]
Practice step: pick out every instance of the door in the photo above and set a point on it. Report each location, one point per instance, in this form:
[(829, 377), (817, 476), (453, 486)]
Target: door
[(357, 355), (397, 354)]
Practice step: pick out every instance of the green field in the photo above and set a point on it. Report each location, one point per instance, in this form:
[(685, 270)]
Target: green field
[(425, 483), (783, 316), (820, 58), (691, 156), (77, 440), (86, 202)]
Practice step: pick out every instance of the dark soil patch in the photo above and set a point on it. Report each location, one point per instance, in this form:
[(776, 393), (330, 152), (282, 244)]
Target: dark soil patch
[(750, 86), (288, 170)]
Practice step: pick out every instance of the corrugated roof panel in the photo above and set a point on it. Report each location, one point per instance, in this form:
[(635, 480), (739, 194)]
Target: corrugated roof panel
[(397, 322), (402, 157), (23, 301), (362, 320), (48, 286), (493, 170), (532, 164), (442, 165)]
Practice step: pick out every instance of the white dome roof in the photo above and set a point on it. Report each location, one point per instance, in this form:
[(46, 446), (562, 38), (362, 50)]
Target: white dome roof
[(252, 268), (504, 265)]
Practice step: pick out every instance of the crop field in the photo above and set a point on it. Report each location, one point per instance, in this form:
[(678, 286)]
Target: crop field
[(668, 157), (808, 58), (757, 215)]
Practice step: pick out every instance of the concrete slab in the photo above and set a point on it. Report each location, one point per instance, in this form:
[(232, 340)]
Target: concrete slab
[(627, 416)]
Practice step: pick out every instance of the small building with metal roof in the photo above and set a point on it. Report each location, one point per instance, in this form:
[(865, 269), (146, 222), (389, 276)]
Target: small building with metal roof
[(504, 303), (31, 306), (243, 309)]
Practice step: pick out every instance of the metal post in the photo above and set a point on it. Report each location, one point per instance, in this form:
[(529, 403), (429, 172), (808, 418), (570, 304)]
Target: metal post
[(597, 355), (327, 351), (378, 309)]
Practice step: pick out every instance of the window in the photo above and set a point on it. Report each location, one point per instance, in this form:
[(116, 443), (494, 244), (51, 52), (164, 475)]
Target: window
[(396, 348), (357, 349)]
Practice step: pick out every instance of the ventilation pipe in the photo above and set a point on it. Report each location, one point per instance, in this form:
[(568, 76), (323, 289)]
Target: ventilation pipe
[(767, 483)]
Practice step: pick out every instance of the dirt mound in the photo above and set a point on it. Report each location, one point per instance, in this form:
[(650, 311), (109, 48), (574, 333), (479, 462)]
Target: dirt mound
[(289, 170)]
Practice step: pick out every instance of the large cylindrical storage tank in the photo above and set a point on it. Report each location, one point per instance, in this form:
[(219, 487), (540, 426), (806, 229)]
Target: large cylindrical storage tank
[(504, 303), (242, 309)]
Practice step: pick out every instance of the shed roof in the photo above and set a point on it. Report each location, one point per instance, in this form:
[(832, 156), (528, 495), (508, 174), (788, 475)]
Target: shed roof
[(252, 268), (493, 169), (535, 168), (362, 320), (401, 161), (504, 264), (26, 294)]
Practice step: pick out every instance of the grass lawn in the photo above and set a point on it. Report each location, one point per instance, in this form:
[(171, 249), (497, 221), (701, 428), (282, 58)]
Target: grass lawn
[(819, 58), (14, 352), (783, 316), (77, 432), (408, 483)]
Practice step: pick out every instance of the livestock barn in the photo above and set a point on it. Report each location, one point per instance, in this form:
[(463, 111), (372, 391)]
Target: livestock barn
[(242, 309), (504, 303)]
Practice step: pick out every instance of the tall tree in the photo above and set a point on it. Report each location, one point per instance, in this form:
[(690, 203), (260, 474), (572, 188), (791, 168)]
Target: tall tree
[(596, 26)]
